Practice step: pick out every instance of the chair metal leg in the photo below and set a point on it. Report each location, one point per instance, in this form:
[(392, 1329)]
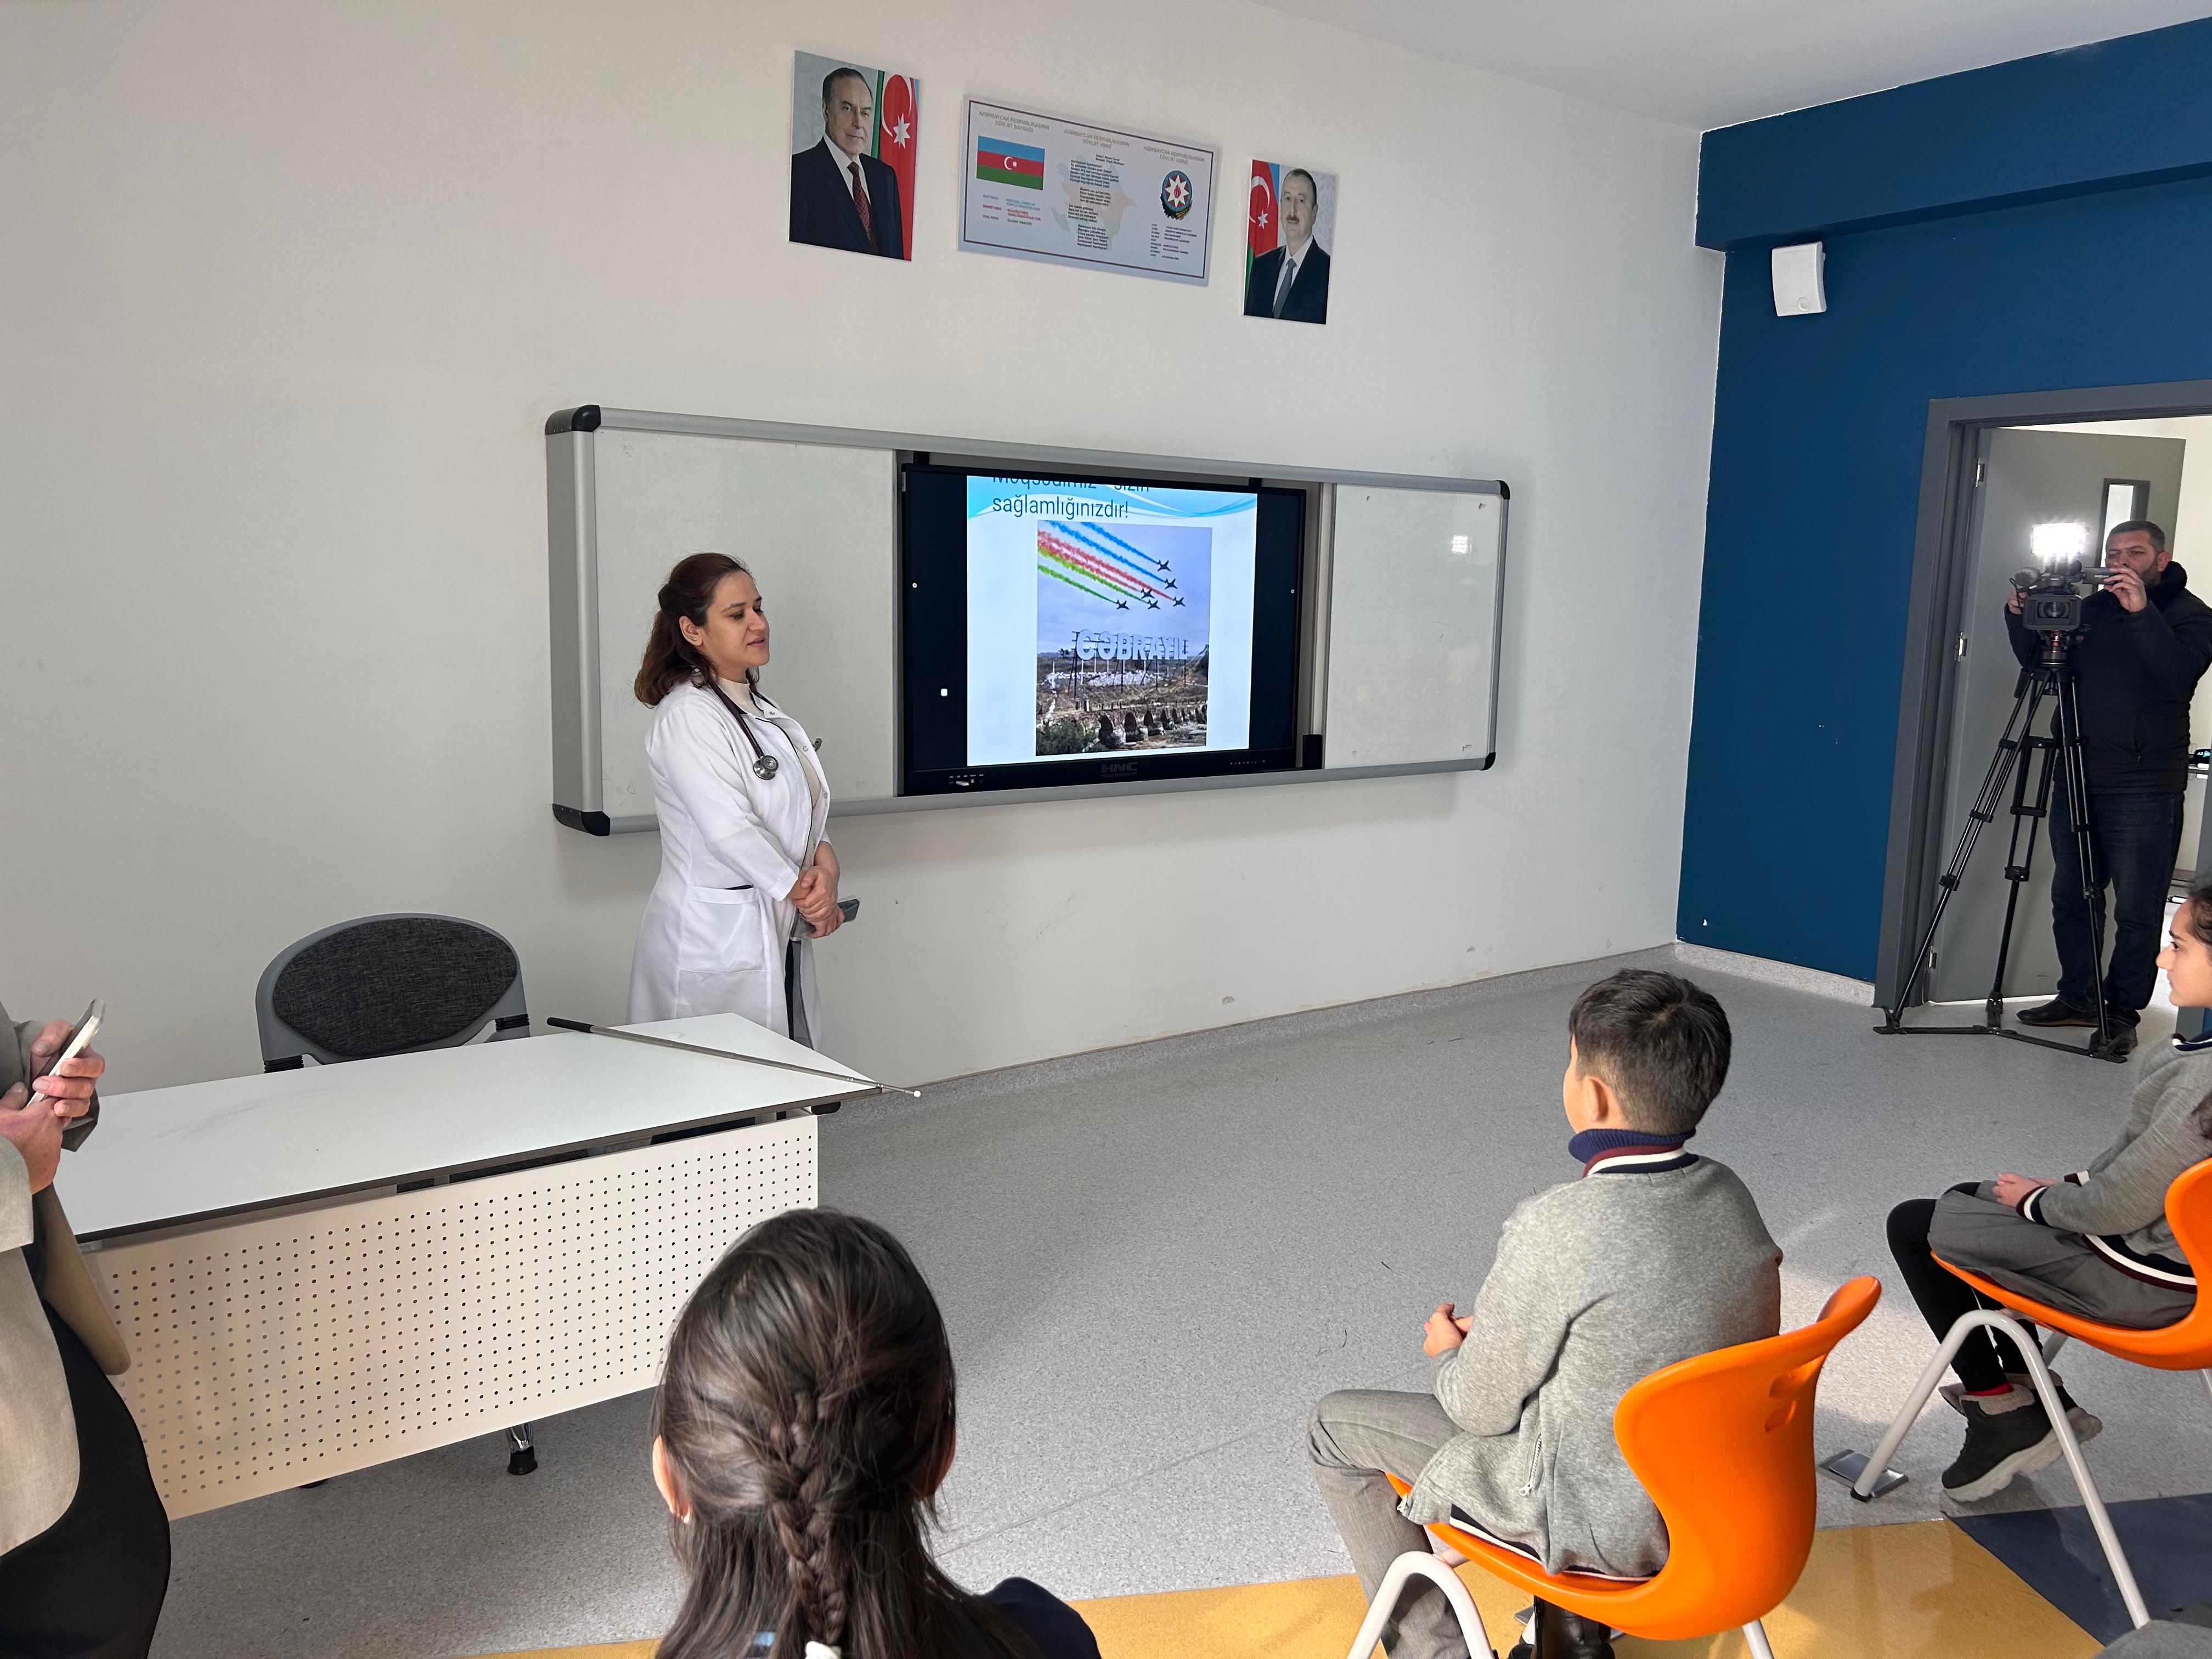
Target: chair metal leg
[(1755, 1634), (2052, 1344), (1863, 1487), (2206, 1375), (2047, 1391), (2092, 1500), (1420, 1563), (521, 1452)]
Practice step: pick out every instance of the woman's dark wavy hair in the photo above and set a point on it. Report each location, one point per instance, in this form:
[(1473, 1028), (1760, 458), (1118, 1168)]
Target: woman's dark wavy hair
[(669, 658), (807, 1414), (2195, 913)]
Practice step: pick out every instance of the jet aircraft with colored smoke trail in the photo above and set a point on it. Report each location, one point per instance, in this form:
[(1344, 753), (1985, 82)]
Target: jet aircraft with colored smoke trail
[(1101, 564)]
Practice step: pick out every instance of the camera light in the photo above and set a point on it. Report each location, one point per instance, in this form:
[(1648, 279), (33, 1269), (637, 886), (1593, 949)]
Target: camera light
[(2053, 543)]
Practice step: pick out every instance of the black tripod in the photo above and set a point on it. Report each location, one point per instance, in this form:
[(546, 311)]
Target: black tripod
[(2053, 678)]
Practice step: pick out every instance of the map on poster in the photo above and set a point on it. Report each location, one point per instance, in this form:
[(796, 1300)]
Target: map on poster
[(1042, 187)]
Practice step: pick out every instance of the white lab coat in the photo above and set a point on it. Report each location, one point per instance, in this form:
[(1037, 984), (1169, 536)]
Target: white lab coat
[(732, 845)]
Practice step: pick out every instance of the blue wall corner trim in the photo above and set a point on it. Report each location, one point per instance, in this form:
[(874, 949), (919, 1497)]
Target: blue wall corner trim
[(2119, 115)]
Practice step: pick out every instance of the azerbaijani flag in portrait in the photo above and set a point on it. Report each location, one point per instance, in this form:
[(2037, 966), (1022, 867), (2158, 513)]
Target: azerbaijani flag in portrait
[(1001, 162), (1261, 234), (898, 119)]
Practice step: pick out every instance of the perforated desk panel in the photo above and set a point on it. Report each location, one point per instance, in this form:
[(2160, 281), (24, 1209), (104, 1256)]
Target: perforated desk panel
[(271, 1352)]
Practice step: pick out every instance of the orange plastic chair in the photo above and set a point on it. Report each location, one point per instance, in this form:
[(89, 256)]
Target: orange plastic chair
[(2184, 1347), (1724, 1444)]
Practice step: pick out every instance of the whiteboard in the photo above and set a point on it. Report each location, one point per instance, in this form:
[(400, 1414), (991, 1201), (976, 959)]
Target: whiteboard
[(815, 523), (1402, 578), (1414, 592)]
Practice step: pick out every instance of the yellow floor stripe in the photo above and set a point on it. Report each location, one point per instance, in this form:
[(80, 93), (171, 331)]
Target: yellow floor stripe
[(1919, 1590)]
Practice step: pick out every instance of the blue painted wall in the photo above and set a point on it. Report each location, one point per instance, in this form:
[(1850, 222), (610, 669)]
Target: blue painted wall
[(2123, 112), (1818, 425)]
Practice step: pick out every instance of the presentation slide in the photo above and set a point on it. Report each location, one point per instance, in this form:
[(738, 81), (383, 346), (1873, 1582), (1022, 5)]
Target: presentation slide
[(1104, 618)]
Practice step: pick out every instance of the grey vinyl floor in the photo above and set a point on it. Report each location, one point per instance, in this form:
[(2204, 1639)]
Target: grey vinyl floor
[(1153, 1261)]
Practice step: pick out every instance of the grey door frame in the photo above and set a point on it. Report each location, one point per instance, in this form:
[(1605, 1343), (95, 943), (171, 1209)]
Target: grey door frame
[(1942, 548)]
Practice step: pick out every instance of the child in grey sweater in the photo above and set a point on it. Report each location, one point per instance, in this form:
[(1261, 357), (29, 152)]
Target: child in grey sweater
[(1654, 1256), (2096, 1244)]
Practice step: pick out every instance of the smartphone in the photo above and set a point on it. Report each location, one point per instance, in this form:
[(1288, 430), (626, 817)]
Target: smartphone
[(845, 908), (80, 1038)]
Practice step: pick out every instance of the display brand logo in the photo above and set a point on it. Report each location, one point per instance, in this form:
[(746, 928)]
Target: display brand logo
[(1117, 769)]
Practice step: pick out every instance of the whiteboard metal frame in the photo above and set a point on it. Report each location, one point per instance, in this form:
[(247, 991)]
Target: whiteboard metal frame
[(572, 524)]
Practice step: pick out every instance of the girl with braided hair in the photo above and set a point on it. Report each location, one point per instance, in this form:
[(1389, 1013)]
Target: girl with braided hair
[(803, 1425)]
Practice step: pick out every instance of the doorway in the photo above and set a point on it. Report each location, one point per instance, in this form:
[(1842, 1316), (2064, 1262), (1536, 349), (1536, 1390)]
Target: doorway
[(1994, 468)]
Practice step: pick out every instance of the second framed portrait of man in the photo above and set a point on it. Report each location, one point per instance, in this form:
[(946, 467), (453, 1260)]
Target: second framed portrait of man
[(1291, 225)]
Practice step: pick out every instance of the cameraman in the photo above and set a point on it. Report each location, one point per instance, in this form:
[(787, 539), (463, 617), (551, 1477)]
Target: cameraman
[(2144, 643)]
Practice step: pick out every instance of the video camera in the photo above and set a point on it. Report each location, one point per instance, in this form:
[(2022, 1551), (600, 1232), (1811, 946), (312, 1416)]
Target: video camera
[(2053, 595)]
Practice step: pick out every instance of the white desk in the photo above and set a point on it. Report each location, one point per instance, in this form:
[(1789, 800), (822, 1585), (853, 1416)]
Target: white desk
[(291, 1316)]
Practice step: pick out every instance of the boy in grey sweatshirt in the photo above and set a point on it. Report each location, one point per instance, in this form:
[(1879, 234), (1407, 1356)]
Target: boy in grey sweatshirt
[(1654, 1256), (2096, 1244)]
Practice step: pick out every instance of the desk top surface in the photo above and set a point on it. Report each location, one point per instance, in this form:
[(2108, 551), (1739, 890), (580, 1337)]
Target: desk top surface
[(164, 1156)]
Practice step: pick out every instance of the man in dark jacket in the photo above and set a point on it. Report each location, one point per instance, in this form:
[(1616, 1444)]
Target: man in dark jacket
[(2144, 643)]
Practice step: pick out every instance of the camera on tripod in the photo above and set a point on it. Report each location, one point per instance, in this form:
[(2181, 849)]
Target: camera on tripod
[(2051, 601), (2051, 596)]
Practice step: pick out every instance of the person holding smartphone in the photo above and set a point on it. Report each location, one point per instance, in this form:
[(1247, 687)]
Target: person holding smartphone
[(84, 1541)]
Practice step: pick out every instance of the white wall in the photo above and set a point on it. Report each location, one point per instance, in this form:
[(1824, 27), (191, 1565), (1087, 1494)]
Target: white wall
[(2190, 533), (290, 289)]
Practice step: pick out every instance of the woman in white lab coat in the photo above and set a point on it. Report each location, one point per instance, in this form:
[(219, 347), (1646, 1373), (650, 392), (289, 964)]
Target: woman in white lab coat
[(747, 880)]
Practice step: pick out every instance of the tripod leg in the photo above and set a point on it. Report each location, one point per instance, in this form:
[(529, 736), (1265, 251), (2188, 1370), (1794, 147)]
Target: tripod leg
[(2075, 773), (2020, 869), (2027, 699)]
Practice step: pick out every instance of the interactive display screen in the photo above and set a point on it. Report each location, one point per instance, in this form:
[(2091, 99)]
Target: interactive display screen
[(1078, 630)]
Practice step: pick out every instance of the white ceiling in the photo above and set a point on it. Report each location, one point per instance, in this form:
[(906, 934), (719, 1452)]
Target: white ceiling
[(1706, 63)]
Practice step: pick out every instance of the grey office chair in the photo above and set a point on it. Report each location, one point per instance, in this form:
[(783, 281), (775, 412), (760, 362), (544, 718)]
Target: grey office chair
[(387, 985), (393, 985)]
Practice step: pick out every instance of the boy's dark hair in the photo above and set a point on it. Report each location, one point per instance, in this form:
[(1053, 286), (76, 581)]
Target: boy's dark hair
[(1660, 1041)]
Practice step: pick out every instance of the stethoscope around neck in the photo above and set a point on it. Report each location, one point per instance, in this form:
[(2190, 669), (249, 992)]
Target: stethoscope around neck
[(765, 765)]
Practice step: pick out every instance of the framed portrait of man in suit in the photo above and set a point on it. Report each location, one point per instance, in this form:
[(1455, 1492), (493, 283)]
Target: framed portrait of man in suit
[(854, 134), (1289, 228)]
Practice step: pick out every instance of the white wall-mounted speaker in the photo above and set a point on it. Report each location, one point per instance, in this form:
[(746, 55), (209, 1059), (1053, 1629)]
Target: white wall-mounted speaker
[(1799, 287)]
